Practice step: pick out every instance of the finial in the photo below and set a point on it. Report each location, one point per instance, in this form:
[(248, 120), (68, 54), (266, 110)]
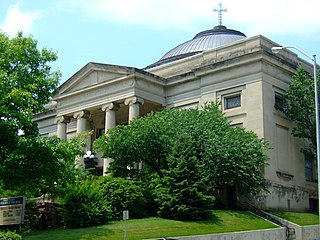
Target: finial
[(220, 10)]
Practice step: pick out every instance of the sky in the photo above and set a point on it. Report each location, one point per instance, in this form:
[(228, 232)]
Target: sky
[(137, 33)]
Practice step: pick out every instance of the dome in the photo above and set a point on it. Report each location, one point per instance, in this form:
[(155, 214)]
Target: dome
[(206, 40)]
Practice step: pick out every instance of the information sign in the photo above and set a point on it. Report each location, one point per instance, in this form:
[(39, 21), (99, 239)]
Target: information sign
[(12, 210)]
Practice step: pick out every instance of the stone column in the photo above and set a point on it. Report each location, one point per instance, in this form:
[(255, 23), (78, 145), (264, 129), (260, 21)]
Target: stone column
[(62, 126), (81, 117), (134, 107), (110, 120), (134, 112)]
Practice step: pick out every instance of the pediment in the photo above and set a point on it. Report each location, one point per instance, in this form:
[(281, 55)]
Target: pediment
[(92, 74)]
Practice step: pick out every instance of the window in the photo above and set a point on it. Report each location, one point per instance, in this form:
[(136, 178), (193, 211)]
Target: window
[(308, 161), (233, 101), (236, 125), (278, 101)]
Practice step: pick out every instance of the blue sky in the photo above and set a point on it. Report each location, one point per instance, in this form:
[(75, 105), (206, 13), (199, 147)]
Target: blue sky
[(137, 33)]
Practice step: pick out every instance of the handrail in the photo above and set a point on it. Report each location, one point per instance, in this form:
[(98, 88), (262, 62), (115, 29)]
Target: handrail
[(290, 232)]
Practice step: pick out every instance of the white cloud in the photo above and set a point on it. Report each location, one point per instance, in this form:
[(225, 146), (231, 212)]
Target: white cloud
[(251, 16), (16, 20), (276, 17), (156, 13)]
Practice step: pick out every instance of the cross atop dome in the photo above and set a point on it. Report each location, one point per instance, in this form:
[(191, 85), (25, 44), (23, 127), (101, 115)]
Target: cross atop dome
[(220, 10)]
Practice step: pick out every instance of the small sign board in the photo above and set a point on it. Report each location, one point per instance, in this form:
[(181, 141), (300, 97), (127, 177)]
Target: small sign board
[(125, 214), (12, 210)]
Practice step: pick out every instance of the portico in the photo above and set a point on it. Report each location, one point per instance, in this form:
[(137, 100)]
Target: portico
[(99, 97)]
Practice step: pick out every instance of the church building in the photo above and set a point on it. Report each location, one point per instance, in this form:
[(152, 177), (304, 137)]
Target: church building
[(219, 65)]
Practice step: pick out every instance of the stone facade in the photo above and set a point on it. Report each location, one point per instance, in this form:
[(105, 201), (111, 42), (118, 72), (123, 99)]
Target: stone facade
[(245, 76)]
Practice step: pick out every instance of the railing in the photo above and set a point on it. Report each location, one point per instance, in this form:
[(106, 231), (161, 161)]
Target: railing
[(290, 232)]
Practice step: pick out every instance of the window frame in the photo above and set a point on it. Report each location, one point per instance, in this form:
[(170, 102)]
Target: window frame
[(309, 169), (278, 104), (231, 96)]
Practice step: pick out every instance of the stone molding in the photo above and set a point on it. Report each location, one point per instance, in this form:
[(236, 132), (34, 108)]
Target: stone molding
[(110, 107), (81, 114), (133, 100), (62, 119)]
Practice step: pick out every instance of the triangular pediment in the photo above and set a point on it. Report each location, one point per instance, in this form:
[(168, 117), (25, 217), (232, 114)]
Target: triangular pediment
[(93, 74)]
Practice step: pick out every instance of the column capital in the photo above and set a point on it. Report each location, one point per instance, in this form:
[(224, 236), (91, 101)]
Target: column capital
[(82, 114), (133, 100), (62, 119), (110, 106)]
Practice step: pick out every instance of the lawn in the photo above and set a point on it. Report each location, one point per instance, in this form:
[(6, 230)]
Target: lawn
[(301, 219), (223, 221)]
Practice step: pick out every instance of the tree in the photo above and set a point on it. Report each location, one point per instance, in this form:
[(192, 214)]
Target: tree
[(29, 164), (236, 159), (26, 84), (185, 193), (40, 165), (151, 140), (299, 106)]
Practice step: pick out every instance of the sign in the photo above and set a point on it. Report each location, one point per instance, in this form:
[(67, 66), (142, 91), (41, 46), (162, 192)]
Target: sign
[(12, 210), (125, 218), (126, 215)]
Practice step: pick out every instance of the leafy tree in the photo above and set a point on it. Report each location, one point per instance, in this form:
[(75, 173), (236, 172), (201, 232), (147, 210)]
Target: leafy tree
[(185, 193), (151, 140), (38, 165), (26, 83), (29, 164), (236, 159), (299, 106)]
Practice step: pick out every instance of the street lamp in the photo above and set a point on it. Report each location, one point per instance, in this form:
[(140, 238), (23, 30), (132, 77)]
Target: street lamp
[(314, 60), (88, 159)]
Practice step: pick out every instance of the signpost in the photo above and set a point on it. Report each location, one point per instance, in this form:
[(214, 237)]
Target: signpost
[(125, 218), (12, 210)]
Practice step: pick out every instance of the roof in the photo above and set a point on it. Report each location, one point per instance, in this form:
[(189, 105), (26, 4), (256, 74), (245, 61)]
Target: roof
[(205, 40)]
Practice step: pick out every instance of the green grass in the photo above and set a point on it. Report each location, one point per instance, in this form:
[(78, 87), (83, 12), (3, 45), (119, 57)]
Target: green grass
[(223, 221), (301, 219)]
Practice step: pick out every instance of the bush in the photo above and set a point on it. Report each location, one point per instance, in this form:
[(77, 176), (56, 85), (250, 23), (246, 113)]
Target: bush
[(121, 194), (32, 218), (9, 235), (83, 205)]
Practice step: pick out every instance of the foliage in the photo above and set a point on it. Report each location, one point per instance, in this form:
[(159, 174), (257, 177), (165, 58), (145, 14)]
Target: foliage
[(236, 159), (299, 106), (28, 164), (26, 83), (9, 235), (32, 218), (37, 165), (122, 194), (150, 185), (83, 205), (185, 193), (151, 140)]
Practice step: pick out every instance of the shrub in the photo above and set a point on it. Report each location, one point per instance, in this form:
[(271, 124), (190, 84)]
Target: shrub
[(9, 235), (83, 205), (121, 194), (32, 218)]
